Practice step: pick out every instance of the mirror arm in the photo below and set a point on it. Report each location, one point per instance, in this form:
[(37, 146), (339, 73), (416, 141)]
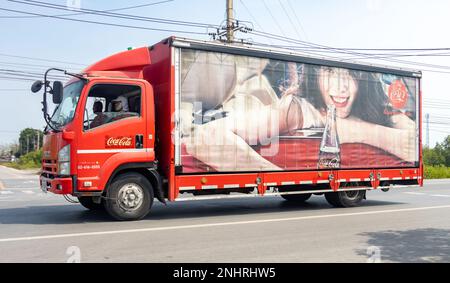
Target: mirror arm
[(47, 117)]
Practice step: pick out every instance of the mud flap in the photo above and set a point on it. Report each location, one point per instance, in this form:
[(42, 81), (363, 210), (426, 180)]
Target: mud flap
[(335, 184)]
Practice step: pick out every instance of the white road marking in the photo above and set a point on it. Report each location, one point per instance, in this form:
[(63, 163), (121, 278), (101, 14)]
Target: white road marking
[(28, 192), (415, 194), (6, 193), (185, 227), (437, 182), (441, 196), (428, 195)]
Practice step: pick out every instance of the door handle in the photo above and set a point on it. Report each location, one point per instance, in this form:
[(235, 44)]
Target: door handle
[(139, 141)]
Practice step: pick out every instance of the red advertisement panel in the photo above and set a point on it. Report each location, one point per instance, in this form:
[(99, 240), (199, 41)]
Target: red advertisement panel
[(245, 114)]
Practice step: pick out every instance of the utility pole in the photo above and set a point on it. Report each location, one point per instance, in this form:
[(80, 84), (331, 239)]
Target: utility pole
[(427, 118), (230, 21), (28, 143), (38, 141)]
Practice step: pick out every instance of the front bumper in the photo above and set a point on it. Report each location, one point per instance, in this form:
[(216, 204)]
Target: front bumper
[(59, 186)]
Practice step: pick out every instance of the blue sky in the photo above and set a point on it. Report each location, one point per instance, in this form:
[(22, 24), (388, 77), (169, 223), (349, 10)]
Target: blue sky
[(340, 23)]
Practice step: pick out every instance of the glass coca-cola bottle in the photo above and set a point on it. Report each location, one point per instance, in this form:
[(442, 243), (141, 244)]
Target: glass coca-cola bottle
[(330, 150)]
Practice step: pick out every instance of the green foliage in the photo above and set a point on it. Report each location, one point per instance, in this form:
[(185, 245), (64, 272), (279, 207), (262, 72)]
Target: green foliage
[(439, 155), (437, 160), (29, 140), (31, 160), (432, 157), (437, 172)]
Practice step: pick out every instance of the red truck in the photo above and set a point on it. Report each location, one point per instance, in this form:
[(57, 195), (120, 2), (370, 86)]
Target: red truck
[(186, 120)]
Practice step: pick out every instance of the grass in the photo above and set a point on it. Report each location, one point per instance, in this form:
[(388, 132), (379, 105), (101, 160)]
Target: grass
[(437, 172), (17, 165), (31, 160)]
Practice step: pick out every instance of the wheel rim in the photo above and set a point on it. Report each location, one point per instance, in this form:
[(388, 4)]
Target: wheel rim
[(352, 194), (130, 197)]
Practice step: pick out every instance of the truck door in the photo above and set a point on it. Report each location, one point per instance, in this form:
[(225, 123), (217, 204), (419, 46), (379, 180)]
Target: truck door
[(115, 131)]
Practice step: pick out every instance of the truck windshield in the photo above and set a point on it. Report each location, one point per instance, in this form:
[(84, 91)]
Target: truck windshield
[(65, 111)]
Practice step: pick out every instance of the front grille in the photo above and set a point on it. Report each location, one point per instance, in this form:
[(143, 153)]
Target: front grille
[(49, 167)]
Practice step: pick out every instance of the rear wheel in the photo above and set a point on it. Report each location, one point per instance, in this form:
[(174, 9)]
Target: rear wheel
[(88, 202), (129, 197), (297, 198), (345, 199)]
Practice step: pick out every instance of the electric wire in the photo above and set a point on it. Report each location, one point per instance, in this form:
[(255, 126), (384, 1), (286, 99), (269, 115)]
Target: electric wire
[(76, 14), (105, 23)]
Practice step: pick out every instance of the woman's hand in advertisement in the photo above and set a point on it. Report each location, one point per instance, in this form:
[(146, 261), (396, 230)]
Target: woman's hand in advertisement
[(398, 142)]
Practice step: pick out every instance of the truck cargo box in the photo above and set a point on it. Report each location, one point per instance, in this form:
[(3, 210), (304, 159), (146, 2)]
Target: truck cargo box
[(241, 109)]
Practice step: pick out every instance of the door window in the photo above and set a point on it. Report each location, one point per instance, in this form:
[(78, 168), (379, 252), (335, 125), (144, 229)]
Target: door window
[(109, 103)]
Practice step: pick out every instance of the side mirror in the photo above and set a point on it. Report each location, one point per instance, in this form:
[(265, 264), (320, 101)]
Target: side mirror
[(57, 92), (37, 86)]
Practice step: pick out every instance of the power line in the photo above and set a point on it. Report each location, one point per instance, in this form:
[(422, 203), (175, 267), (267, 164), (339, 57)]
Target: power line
[(441, 116), (251, 15), (440, 131), (273, 17), (289, 18), (319, 47), (76, 14), (36, 66), (316, 46), (39, 59), (384, 56), (368, 56), (15, 78), (297, 18), (103, 23), (21, 73), (114, 15), (341, 50)]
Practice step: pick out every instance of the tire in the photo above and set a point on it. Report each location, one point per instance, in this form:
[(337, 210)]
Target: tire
[(89, 203), (297, 198), (129, 197), (345, 199)]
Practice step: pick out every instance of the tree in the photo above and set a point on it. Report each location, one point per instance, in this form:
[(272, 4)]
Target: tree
[(439, 155), (29, 140), (445, 151), (432, 157)]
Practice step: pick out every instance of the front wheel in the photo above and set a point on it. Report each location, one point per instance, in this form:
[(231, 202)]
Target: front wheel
[(129, 197), (345, 199)]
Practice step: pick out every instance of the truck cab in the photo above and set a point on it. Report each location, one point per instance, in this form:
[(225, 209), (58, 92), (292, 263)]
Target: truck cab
[(104, 127)]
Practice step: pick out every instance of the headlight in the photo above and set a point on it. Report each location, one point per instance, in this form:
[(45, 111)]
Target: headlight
[(64, 161)]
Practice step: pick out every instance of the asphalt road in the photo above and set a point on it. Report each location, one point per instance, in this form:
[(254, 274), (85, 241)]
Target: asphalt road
[(404, 225)]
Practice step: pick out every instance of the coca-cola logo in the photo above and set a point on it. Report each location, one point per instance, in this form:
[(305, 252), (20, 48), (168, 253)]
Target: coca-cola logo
[(119, 142), (398, 94), (329, 163)]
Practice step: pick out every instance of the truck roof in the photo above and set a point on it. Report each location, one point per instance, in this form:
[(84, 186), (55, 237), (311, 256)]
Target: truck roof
[(287, 55)]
